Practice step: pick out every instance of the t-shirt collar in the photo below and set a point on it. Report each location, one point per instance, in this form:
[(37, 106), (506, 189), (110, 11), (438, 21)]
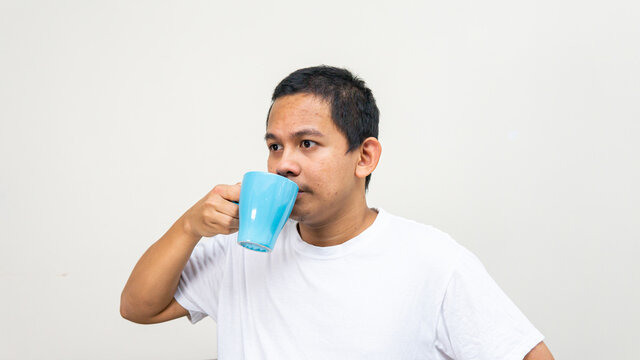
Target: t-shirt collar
[(335, 251)]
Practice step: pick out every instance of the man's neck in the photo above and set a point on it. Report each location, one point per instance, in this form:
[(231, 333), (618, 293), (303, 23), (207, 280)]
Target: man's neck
[(344, 227)]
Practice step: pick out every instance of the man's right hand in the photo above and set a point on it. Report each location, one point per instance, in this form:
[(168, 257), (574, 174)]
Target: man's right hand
[(148, 296), (215, 213)]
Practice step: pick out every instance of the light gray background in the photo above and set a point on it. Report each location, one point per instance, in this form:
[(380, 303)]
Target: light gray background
[(511, 125)]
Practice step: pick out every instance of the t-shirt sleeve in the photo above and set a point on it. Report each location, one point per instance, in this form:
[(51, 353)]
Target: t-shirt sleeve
[(201, 278), (477, 319)]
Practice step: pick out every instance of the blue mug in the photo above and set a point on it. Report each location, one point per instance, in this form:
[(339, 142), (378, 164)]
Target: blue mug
[(266, 201)]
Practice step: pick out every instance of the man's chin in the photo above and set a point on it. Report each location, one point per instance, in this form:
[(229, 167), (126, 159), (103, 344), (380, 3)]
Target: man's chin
[(298, 214), (296, 217)]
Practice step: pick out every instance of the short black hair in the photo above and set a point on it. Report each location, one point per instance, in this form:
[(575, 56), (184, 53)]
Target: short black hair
[(353, 108)]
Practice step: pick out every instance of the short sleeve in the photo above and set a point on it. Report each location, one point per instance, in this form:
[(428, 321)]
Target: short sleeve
[(201, 278), (477, 319)]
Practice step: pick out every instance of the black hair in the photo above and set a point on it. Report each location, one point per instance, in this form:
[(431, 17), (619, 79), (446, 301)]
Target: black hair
[(353, 108)]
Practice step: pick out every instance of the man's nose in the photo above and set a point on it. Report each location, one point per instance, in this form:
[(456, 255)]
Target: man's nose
[(288, 165)]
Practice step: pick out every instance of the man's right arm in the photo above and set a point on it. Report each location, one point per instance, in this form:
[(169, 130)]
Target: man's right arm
[(148, 295)]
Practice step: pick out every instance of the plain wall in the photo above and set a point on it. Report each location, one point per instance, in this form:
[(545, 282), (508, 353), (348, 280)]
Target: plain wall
[(513, 126)]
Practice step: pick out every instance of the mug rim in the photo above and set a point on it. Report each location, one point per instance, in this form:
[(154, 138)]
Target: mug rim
[(269, 174)]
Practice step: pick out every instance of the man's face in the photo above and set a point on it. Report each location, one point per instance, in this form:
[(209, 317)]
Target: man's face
[(306, 147)]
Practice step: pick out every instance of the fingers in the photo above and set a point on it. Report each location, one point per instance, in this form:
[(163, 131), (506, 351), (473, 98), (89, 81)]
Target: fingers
[(225, 206), (218, 214), (224, 224)]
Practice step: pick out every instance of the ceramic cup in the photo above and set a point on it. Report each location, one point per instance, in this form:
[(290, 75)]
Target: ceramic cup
[(266, 201)]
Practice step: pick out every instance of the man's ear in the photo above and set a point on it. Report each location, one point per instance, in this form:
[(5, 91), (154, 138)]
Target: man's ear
[(370, 151)]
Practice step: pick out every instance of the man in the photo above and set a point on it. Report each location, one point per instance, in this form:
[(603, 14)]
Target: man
[(344, 281)]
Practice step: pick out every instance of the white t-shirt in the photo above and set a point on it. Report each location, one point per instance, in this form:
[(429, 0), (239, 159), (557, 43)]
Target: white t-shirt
[(399, 290)]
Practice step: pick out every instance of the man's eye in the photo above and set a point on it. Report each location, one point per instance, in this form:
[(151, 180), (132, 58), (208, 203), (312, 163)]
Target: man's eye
[(307, 143), (274, 147)]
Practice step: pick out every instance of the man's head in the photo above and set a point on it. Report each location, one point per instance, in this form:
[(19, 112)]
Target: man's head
[(322, 133), (353, 108)]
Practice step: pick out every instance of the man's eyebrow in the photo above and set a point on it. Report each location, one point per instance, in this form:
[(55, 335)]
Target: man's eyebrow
[(297, 134), (307, 132)]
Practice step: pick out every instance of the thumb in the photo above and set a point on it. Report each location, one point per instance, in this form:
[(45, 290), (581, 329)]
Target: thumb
[(233, 193), (228, 192), (236, 191)]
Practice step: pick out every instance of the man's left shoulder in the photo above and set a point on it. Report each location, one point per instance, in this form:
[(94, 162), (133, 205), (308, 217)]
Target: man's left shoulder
[(420, 236), (420, 248)]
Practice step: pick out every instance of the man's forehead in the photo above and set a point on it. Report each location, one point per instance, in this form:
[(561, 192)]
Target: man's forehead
[(297, 113), (299, 106)]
